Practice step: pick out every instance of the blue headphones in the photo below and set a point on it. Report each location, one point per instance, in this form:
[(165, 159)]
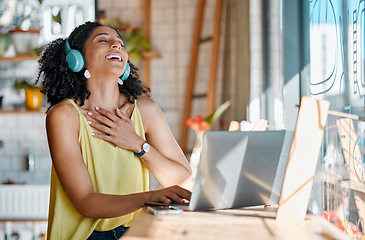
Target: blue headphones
[(126, 73), (76, 61), (74, 58)]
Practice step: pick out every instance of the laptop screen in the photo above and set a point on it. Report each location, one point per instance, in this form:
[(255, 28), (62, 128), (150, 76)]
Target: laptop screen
[(238, 169)]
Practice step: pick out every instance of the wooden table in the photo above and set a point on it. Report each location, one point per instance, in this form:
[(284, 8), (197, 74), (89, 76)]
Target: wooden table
[(229, 224)]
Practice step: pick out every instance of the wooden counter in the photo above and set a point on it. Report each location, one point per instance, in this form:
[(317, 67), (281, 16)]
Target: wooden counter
[(228, 224)]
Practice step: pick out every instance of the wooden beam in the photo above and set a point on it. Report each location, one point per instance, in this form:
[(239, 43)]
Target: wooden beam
[(146, 62), (192, 72), (212, 84)]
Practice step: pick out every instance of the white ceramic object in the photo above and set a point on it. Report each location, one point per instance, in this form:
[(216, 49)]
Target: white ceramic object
[(24, 41)]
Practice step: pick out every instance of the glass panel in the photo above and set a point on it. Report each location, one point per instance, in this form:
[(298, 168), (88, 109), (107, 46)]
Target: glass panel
[(337, 69)]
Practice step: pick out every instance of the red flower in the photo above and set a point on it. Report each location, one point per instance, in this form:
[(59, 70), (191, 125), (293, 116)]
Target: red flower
[(201, 124), (198, 123)]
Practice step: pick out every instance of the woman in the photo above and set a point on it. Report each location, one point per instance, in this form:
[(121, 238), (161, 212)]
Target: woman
[(102, 139)]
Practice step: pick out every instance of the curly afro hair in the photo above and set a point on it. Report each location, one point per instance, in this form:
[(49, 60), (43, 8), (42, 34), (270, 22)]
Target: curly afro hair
[(60, 82)]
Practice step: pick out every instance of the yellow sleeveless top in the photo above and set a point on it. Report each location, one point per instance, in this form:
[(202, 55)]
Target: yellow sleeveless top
[(112, 171)]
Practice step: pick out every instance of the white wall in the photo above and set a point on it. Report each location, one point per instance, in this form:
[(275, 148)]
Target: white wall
[(21, 132)]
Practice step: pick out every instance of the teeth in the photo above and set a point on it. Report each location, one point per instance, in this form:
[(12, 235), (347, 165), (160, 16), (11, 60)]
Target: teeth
[(114, 56)]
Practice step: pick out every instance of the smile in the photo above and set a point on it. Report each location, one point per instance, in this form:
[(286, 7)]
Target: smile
[(114, 57)]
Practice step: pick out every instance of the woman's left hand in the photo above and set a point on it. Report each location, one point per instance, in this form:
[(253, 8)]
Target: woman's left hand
[(116, 128)]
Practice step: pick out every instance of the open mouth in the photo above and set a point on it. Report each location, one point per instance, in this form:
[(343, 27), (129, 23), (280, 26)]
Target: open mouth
[(114, 57)]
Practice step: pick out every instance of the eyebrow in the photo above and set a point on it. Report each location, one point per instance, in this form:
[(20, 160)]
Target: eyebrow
[(99, 34)]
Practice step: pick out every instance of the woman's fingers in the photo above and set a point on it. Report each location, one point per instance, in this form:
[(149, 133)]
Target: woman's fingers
[(118, 113), (106, 114), (174, 193), (115, 128), (100, 127), (125, 108), (100, 118), (175, 197), (182, 193), (104, 137), (163, 199), (121, 115), (106, 118)]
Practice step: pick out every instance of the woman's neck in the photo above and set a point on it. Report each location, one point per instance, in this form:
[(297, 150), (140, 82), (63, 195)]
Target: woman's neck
[(104, 94)]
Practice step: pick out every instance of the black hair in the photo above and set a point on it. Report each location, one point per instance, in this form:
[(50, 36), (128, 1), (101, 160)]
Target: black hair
[(60, 82)]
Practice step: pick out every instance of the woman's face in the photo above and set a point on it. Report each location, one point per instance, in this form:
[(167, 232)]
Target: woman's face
[(104, 52)]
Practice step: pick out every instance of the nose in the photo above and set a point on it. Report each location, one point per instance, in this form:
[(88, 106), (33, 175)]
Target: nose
[(116, 44)]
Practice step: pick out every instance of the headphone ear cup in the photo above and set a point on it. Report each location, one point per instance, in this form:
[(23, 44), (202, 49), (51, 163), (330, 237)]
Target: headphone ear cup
[(75, 60), (126, 73)]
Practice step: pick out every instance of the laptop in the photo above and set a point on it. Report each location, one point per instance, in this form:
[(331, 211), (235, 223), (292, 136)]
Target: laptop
[(239, 169), (293, 177)]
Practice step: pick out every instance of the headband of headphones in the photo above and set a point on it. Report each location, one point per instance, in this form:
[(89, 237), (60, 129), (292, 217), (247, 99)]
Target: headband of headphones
[(76, 61)]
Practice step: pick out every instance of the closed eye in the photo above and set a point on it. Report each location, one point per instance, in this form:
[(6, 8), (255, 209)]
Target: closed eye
[(121, 44)]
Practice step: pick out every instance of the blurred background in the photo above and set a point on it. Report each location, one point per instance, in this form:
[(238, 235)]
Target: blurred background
[(261, 55)]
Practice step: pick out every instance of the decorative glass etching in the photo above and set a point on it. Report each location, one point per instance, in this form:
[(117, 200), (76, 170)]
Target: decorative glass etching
[(337, 66)]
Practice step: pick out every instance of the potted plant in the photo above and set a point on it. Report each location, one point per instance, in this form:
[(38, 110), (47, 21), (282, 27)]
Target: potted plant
[(5, 42), (134, 38), (24, 40), (200, 124), (27, 28), (33, 95)]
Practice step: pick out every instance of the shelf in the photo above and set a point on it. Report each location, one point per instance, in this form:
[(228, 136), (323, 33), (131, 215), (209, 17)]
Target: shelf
[(22, 111), (19, 58), (346, 184), (151, 54)]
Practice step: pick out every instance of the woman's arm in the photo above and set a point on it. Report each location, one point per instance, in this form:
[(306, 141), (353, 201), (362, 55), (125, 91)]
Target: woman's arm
[(165, 159), (62, 123)]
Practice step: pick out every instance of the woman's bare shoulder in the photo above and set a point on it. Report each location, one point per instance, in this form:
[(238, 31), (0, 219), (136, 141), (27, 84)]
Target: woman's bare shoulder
[(146, 104), (151, 114), (62, 111)]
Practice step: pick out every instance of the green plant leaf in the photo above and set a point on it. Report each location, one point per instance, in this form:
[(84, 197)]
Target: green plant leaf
[(134, 38), (135, 56), (21, 84), (57, 17), (5, 42), (218, 112)]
